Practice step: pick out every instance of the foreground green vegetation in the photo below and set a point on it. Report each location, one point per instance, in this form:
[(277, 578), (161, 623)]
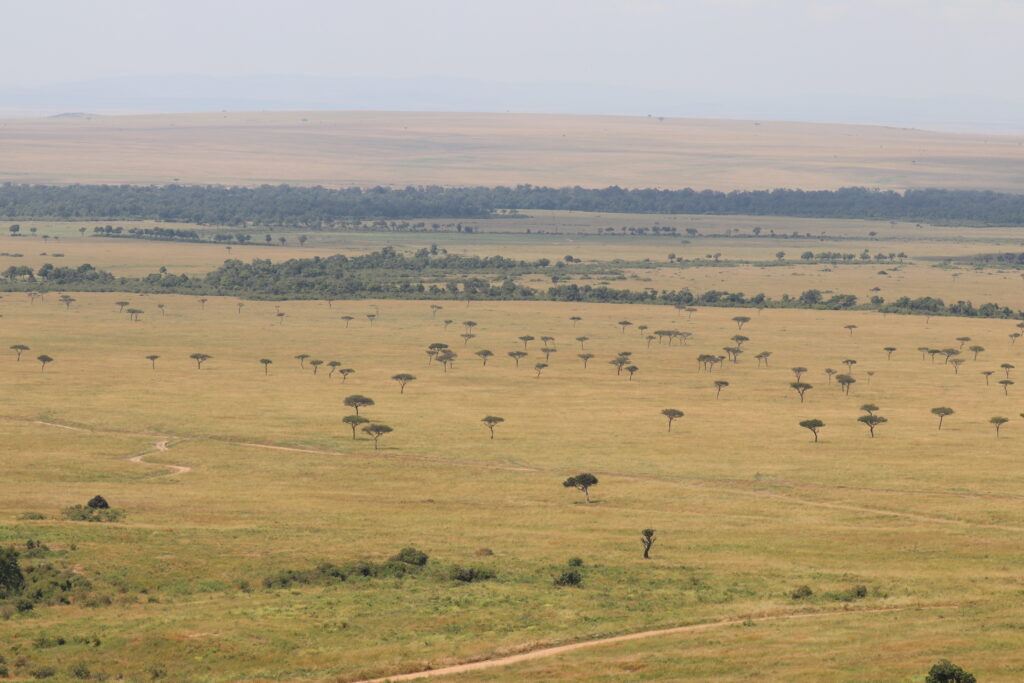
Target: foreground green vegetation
[(258, 539)]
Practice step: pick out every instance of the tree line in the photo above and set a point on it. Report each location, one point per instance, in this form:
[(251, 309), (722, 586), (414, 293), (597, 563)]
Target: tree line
[(323, 208)]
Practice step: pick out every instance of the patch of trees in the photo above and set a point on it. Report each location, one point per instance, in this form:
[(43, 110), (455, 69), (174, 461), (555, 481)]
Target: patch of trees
[(318, 207)]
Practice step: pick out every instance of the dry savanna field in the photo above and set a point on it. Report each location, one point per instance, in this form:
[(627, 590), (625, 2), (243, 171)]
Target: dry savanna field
[(908, 543)]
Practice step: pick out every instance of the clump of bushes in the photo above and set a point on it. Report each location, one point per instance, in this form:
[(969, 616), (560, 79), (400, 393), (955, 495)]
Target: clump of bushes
[(801, 593), (575, 562), (406, 561), (569, 577), (411, 556), (947, 672), (470, 574), (84, 513), (31, 516)]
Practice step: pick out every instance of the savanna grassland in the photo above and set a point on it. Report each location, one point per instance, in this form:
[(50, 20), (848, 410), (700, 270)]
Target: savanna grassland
[(345, 149), (908, 543)]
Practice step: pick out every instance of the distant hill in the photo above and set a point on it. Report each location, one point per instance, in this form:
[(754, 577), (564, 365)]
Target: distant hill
[(344, 149)]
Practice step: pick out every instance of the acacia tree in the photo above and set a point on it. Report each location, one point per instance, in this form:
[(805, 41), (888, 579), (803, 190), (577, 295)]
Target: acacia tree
[(889, 351), (67, 301), (347, 319), (446, 357), (942, 413), (547, 353), (152, 360), (302, 360), (740, 321), (763, 356), (581, 340), (632, 370), (200, 358), (240, 306), (526, 339), (585, 357), (1006, 369), (345, 372), (539, 367), (403, 378), (582, 482), (120, 305), (575, 319), (672, 414), (987, 374), (1007, 383), (872, 421), (354, 421), (975, 349), (869, 408), (266, 365), (829, 372), (466, 337), (434, 308), (956, 363), (315, 364), (43, 361), (851, 328), (376, 431), (649, 338), (517, 355), (998, 422), (484, 354), (333, 365), (18, 348), (849, 363), (798, 371), (202, 303), (719, 385), (161, 307), (813, 426), (647, 538), (447, 323), (739, 339), (801, 388), (845, 381), (492, 421), (963, 340), (619, 362), (358, 401), (624, 324)]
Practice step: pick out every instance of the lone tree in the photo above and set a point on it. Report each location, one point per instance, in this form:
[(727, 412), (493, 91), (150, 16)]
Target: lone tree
[(851, 328), (347, 319), (517, 355), (1006, 386), (484, 354), (585, 357), (120, 305), (403, 378), (799, 372), (582, 341), (575, 319), (434, 308), (872, 421), (345, 372), (356, 401), (302, 360), (998, 422), (333, 365), (492, 421), (376, 431), (152, 360), (719, 385), (947, 672), (43, 360), (202, 303), (315, 364), (956, 363), (539, 367), (672, 414), (801, 388), (975, 349), (583, 482), (889, 350), (987, 374), (18, 348), (12, 580), (963, 340), (266, 365), (354, 421), (1006, 369), (647, 539), (526, 339), (845, 381), (942, 413), (829, 372), (740, 321), (624, 324), (632, 370), (813, 426), (200, 358)]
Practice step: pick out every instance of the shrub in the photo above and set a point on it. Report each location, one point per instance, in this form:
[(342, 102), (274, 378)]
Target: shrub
[(82, 513), (12, 580), (43, 672), (411, 556), (802, 592), (575, 562), (484, 552), (23, 605), (31, 516), (470, 574), (947, 672), (569, 577), (98, 503), (80, 671)]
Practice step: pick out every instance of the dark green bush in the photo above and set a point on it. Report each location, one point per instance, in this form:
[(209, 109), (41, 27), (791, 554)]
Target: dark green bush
[(43, 672), (802, 592), (98, 503), (82, 513), (80, 671), (31, 515), (947, 672), (470, 574), (575, 562), (12, 580), (569, 577)]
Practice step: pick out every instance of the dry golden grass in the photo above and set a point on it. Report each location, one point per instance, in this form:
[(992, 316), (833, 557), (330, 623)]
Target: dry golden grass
[(340, 149), (747, 507)]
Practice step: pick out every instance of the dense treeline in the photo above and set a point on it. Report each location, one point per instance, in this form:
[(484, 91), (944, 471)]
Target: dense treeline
[(389, 275), (318, 207)]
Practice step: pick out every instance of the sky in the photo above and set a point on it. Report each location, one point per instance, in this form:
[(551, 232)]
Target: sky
[(907, 49)]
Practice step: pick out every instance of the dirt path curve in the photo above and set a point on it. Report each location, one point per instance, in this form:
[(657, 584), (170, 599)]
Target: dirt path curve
[(562, 649), (733, 487), (158, 447)]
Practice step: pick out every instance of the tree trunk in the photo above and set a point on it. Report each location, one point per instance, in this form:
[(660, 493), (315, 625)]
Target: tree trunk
[(586, 490)]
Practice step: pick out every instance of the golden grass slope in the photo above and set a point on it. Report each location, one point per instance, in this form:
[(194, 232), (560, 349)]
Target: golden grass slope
[(340, 149)]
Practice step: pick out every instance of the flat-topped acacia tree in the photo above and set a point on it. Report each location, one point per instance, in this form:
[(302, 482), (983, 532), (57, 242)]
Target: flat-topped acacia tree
[(434, 308), (266, 365), (18, 348), (987, 374), (798, 372), (44, 360), (582, 340), (956, 363), (357, 401), (632, 370), (547, 352), (120, 305), (1007, 383), (375, 431), (870, 408), (539, 367), (152, 360), (526, 339), (846, 382), (976, 349), (872, 421), (719, 385), (202, 303), (813, 426), (963, 340), (829, 372), (740, 321), (585, 357), (484, 355), (851, 328), (801, 388), (624, 324), (200, 358), (466, 337), (889, 351), (403, 378), (333, 365), (517, 355), (345, 372), (354, 421), (998, 422), (347, 319), (575, 319), (492, 421), (941, 413), (1007, 367), (582, 482), (315, 364), (302, 360), (447, 323), (672, 414)]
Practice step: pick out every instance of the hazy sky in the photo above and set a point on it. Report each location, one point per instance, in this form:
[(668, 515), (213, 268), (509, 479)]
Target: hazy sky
[(874, 47)]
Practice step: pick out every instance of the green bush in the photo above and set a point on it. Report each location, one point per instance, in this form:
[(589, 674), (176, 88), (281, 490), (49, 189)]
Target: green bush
[(947, 672), (98, 503), (470, 574), (802, 592), (31, 515), (575, 562), (83, 513), (80, 671), (411, 556), (569, 577), (12, 580), (43, 672)]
